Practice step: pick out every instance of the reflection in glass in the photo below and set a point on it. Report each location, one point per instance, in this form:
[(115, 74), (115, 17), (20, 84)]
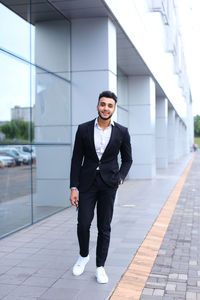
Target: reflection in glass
[(51, 179), (15, 31), (15, 197), (15, 100), (52, 121)]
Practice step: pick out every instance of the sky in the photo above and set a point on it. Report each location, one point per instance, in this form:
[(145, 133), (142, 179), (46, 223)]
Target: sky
[(190, 31), (14, 73), (15, 35)]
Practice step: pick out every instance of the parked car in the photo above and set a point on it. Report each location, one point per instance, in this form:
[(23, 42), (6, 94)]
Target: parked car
[(27, 149), (25, 155), (29, 154), (12, 153), (6, 161)]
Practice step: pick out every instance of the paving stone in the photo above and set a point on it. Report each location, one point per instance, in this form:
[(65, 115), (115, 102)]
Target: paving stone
[(155, 284), (157, 276), (39, 281), (61, 294), (182, 276), (145, 297), (171, 287), (181, 287), (147, 291), (5, 289), (158, 292), (27, 291), (191, 296), (19, 298), (193, 263), (173, 276)]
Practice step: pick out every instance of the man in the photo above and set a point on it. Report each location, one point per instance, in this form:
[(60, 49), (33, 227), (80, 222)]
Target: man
[(95, 177)]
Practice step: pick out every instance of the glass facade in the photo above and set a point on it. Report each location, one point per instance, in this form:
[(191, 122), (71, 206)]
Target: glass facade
[(35, 115)]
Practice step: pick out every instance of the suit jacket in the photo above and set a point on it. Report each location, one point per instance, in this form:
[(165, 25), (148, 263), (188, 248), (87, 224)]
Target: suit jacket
[(85, 160)]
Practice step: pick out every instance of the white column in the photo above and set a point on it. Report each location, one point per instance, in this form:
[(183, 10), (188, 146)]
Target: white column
[(52, 112), (185, 141), (141, 93), (161, 132), (94, 65), (171, 135), (176, 137)]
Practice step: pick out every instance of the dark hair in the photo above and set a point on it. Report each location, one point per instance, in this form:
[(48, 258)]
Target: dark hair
[(108, 94)]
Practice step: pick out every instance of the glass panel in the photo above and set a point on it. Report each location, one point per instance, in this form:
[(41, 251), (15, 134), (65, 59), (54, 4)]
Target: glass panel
[(52, 143), (35, 114), (15, 169), (14, 100), (15, 31), (52, 46), (51, 179), (15, 193), (51, 109), (45, 42)]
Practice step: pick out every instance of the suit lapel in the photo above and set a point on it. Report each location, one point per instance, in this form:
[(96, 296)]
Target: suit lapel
[(91, 137)]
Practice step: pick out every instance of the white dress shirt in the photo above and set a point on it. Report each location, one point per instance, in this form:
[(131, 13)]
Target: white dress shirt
[(101, 137)]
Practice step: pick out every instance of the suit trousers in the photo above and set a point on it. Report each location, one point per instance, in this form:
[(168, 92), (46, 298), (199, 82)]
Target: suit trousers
[(102, 196)]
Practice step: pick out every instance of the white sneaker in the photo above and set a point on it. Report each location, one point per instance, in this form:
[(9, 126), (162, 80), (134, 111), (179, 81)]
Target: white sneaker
[(79, 266), (101, 275)]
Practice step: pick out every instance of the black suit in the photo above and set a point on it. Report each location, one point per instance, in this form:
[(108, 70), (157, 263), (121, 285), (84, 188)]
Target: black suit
[(98, 187), (85, 160)]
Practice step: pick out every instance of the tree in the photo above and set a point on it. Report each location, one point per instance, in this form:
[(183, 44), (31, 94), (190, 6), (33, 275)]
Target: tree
[(197, 126), (18, 129)]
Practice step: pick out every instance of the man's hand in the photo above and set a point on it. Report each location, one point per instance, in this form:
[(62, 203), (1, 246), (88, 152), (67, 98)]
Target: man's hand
[(74, 197)]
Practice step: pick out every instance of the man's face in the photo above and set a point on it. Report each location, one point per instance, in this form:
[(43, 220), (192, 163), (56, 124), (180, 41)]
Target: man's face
[(106, 108)]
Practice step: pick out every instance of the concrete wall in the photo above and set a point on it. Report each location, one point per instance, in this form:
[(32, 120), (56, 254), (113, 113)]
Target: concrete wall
[(141, 93), (94, 65), (161, 132)]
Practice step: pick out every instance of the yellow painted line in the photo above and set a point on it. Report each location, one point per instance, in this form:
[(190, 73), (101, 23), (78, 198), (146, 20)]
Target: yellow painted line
[(134, 279)]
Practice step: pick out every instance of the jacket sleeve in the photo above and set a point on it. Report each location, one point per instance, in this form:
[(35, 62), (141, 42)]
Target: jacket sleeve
[(77, 158), (126, 156)]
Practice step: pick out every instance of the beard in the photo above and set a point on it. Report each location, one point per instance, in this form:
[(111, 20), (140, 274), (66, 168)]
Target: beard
[(105, 119)]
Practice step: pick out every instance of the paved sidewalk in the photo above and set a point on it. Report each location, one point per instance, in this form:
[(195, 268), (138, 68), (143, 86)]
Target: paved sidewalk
[(176, 271), (36, 262)]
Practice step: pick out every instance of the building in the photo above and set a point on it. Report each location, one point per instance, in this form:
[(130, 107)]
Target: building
[(22, 113), (76, 49)]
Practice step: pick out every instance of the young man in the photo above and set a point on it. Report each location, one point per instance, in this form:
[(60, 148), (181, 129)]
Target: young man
[(96, 175)]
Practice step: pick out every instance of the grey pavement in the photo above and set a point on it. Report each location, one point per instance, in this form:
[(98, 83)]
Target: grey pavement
[(36, 263), (176, 271)]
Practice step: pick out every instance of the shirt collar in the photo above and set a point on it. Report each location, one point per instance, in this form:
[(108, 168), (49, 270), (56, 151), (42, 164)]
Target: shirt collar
[(111, 123)]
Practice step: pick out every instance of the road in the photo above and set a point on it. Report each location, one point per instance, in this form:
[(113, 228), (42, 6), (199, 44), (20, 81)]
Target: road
[(16, 182)]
